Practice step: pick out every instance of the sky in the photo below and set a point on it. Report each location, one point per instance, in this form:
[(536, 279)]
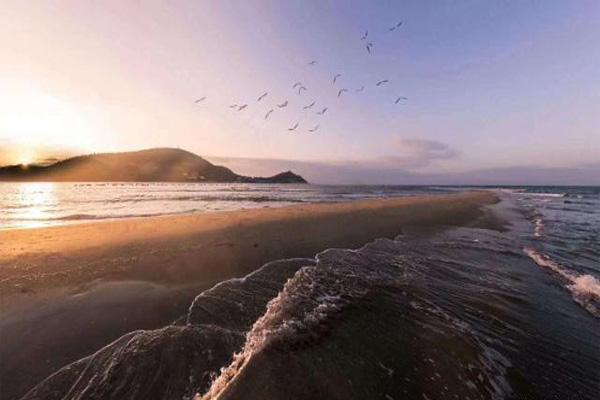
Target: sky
[(497, 88)]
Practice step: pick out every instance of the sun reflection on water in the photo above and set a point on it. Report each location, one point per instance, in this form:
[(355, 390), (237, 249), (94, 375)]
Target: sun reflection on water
[(36, 201)]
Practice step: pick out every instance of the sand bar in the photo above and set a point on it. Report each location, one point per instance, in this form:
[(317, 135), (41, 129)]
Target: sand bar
[(209, 246)]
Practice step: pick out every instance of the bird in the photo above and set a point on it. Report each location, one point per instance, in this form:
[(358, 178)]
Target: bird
[(336, 77), (301, 88), (200, 99), (398, 25), (294, 127), (364, 37), (369, 47), (296, 85), (360, 89), (240, 108), (341, 91), (322, 112), (314, 129), (313, 62), (233, 106), (309, 106), (262, 96), (284, 104), (269, 113), (381, 82), (400, 98)]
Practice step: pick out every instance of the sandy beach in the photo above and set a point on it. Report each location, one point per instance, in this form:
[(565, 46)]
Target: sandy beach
[(209, 246), (67, 291)]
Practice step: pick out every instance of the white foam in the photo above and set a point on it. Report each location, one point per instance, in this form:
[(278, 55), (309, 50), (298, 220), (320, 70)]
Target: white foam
[(538, 230), (533, 194), (585, 289)]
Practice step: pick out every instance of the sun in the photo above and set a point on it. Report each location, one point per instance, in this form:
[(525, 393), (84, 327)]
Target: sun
[(31, 118), (25, 160), (25, 157)]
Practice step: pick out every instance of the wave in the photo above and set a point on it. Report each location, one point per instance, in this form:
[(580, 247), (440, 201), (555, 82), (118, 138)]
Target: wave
[(374, 293), (177, 361), (538, 230), (90, 217), (543, 194), (585, 289)]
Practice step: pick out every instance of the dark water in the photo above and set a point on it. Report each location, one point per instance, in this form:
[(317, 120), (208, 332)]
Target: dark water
[(468, 313)]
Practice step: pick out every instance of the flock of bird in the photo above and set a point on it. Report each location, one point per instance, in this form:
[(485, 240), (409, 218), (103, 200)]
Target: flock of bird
[(299, 88)]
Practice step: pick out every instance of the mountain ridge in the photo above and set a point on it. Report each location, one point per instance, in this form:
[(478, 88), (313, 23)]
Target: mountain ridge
[(149, 165)]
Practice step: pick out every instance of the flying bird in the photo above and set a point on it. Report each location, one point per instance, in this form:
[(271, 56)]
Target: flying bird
[(233, 106), (314, 129), (284, 104), (364, 37), (240, 108), (369, 47), (269, 113), (398, 25), (400, 98), (336, 77), (313, 62), (262, 96), (200, 99), (322, 112), (341, 91), (309, 106), (383, 82), (294, 127), (296, 85), (301, 88), (360, 89)]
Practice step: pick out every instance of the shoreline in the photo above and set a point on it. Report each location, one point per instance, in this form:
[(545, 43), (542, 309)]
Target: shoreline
[(67, 291), (37, 259)]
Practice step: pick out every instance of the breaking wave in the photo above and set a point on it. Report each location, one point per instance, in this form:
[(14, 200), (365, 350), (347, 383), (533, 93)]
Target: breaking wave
[(584, 288)]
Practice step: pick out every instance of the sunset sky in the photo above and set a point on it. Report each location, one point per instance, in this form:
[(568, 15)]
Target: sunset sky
[(490, 85)]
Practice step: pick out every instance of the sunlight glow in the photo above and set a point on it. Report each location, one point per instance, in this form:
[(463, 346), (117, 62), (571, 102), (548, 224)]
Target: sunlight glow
[(37, 201), (32, 119), (26, 157)]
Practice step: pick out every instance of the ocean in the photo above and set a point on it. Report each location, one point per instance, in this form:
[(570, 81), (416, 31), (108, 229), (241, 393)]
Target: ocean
[(509, 312), (34, 205)]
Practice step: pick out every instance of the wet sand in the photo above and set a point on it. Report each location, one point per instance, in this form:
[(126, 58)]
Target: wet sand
[(67, 291)]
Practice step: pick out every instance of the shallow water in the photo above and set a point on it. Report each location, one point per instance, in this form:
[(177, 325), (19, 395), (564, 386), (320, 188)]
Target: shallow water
[(567, 238), (469, 313), (466, 314)]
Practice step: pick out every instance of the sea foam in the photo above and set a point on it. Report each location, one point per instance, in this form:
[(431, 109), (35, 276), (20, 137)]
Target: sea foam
[(585, 289)]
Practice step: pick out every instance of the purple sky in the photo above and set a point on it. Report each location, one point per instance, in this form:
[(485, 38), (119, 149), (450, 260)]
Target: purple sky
[(492, 86)]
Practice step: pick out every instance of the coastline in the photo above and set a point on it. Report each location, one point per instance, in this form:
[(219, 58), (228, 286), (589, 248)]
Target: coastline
[(211, 246), (79, 287)]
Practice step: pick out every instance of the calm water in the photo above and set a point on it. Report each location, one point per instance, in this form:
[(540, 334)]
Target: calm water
[(30, 205), (469, 313)]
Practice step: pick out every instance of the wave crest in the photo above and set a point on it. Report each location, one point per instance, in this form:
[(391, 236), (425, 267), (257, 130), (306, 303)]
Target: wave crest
[(585, 289)]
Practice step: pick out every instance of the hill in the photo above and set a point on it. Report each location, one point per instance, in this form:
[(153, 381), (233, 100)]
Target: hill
[(153, 165)]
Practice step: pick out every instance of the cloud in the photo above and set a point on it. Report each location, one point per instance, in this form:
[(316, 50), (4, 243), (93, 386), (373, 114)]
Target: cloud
[(416, 153)]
